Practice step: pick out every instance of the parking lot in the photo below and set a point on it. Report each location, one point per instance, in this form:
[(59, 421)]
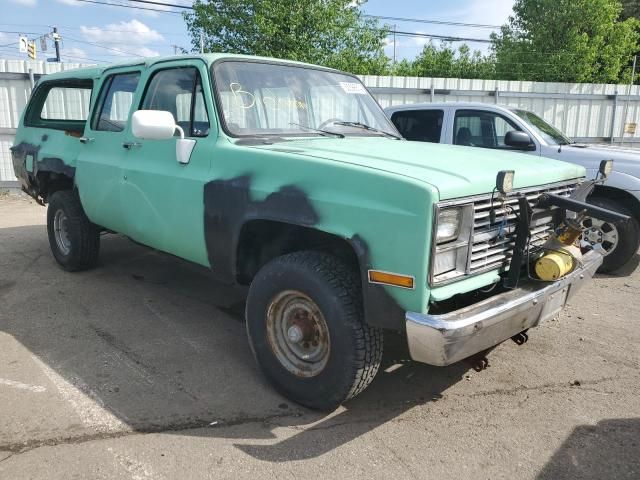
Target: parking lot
[(140, 369)]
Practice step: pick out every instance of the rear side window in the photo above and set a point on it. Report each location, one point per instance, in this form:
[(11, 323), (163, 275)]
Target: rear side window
[(66, 103), (419, 125), (115, 102), (179, 91), (61, 105)]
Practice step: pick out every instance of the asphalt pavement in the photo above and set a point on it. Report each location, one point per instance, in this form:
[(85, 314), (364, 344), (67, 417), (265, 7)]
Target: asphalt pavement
[(140, 369)]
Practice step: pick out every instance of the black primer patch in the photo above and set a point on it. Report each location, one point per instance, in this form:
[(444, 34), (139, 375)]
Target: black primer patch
[(228, 206), (55, 165), (380, 308), (28, 179)]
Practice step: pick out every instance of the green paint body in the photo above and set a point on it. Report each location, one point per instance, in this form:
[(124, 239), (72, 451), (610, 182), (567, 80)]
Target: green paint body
[(380, 189)]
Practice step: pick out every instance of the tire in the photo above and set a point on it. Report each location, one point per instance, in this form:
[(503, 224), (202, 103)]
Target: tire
[(621, 241), (321, 297), (74, 240)]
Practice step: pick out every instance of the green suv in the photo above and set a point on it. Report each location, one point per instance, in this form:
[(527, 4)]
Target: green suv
[(289, 178)]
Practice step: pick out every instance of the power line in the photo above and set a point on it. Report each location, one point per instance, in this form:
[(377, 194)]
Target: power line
[(175, 5), (135, 7), (71, 27), (102, 46), (434, 22), (439, 37)]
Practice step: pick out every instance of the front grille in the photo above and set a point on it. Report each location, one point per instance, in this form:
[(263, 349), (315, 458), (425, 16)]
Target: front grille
[(488, 251)]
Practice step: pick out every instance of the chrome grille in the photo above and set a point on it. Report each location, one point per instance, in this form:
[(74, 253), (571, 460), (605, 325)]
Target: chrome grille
[(488, 251)]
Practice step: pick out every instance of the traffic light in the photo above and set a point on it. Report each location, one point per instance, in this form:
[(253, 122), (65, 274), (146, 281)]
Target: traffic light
[(31, 50)]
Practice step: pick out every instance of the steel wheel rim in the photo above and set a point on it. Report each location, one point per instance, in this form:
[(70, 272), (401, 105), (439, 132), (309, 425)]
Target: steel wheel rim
[(298, 333), (599, 235), (61, 232)]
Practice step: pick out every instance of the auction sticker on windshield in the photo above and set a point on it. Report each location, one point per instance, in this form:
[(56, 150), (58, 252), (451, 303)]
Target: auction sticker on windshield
[(353, 87)]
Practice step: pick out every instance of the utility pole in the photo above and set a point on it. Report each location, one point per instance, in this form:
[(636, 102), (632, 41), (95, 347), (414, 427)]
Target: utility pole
[(395, 27), (56, 42), (626, 104), (175, 49), (201, 42)]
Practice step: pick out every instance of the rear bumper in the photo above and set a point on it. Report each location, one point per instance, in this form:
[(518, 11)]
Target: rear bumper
[(446, 339)]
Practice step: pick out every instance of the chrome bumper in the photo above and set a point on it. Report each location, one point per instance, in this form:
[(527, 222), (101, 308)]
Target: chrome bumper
[(446, 339)]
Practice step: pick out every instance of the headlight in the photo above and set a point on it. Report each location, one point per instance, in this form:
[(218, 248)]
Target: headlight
[(451, 244), (448, 225)]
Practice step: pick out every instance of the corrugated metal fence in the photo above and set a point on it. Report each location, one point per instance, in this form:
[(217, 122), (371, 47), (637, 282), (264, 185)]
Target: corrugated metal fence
[(587, 112)]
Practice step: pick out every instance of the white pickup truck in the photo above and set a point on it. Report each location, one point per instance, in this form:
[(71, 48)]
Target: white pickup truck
[(507, 128)]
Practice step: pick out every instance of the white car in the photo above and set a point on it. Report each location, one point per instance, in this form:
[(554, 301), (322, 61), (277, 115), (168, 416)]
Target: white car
[(506, 128)]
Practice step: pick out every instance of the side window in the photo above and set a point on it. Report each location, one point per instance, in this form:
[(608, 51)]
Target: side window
[(179, 91), (478, 128), (60, 105), (115, 102), (467, 129), (503, 125), (419, 125), (66, 103)]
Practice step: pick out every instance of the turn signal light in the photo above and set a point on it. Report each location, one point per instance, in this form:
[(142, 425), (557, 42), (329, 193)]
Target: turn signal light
[(395, 279)]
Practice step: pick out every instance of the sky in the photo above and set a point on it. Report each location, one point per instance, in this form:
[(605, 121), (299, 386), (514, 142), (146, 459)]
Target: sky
[(93, 33)]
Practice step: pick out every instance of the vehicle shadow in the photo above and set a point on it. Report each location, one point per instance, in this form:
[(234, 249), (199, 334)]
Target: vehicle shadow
[(160, 347), (610, 449)]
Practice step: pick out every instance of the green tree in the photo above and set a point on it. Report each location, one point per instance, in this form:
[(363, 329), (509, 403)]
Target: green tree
[(630, 8), (333, 33), (445, 61), (566, 41)]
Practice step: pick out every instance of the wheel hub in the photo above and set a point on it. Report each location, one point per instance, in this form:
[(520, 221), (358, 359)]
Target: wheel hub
[(61, 232), (599, 235), (298, 333)]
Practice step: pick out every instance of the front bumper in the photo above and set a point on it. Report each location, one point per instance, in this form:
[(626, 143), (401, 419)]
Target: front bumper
[(448, 338)]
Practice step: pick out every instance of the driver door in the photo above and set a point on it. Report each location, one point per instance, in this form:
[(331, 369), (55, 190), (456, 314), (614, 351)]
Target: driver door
[(163, 199)]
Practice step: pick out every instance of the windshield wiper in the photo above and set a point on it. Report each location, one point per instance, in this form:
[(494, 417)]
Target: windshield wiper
[(364, 126), (321, 132)]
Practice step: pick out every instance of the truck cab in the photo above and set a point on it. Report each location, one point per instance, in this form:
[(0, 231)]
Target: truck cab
[(288, 178)]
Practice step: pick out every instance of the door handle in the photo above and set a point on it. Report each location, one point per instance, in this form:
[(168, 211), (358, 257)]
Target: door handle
[(86, 139), (130, 145)]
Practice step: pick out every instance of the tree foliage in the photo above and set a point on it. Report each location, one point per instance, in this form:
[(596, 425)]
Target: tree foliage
[(333, 33), (630, 8), (566, 41), (445, 61)]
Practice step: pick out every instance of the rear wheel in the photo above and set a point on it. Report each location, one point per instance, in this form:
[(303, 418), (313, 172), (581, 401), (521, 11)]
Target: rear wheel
[(306, 328), (74, 240), (618, 242)]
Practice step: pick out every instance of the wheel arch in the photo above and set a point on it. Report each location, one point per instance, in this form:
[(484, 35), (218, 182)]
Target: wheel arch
[(622, 196)]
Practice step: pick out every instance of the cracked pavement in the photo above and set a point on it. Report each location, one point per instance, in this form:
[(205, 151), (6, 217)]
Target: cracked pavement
[(140, 369)]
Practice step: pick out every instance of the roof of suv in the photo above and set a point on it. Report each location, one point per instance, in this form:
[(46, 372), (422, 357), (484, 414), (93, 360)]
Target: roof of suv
[(431, 106), (208, 58)]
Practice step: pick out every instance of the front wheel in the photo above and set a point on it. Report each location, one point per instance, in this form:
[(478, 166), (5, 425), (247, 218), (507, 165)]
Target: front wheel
[(618, 242), (306, 328)]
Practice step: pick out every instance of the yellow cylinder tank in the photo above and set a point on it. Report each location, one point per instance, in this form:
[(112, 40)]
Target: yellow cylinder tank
[(554, 265)]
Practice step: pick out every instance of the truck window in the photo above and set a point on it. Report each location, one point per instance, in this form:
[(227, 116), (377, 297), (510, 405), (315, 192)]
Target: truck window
[(419, 125), (179, 91), (66, 103), (60, 105), (115, 102), (477, 128)]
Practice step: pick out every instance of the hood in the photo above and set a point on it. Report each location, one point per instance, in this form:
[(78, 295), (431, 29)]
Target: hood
[(625, 160), (453, 170)]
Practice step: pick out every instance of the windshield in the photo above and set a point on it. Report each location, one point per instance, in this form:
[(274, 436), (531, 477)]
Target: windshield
[(549, 133), (271, 99)]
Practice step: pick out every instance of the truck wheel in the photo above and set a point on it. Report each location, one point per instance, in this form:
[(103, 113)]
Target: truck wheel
[(618, 242), (74, 240), (306, 329)]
